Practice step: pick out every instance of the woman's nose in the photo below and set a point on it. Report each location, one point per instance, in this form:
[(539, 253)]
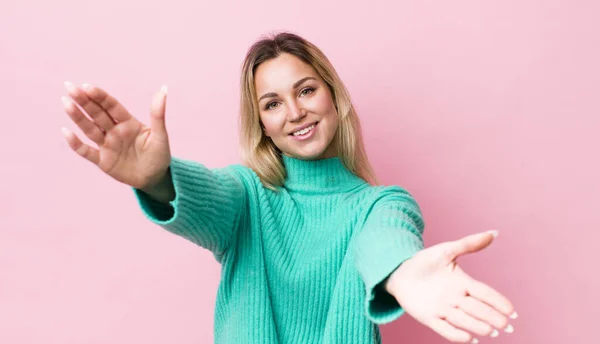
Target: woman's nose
[(295, 112)]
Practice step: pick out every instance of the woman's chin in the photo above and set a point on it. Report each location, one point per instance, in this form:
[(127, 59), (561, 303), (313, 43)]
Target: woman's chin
[(312, 151), (309, 155)]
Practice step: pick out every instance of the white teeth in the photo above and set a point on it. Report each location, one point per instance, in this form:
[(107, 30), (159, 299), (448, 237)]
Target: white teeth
[(304, 131)]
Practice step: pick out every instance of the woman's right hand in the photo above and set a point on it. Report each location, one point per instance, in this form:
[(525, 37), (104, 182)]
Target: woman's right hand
[(128, 150)]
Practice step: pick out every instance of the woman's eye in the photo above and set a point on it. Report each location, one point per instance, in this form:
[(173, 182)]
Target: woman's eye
[(268, 107), (304, 92), (309, 89)]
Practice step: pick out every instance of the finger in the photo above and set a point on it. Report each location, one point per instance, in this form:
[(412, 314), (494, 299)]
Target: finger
[(457, 317), (471, 243), (89, 128), (489, 295), (448, 331), (106, 102), (100, 117), (91, 154), (483, 312), (157, 112)]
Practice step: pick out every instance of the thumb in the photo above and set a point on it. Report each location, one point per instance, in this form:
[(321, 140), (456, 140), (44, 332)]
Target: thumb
[(472, 243), (157, 112)]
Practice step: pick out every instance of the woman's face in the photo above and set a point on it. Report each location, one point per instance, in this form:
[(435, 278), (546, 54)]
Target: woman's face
[(296, 108)]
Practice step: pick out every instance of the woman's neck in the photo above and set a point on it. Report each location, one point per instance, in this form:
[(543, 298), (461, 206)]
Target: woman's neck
[(322, 175)]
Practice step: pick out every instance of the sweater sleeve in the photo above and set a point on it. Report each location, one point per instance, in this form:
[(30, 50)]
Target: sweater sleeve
[(392, 233), (207, 207)]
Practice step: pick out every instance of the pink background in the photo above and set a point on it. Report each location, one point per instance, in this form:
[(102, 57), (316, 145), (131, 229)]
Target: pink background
[(488, 112)]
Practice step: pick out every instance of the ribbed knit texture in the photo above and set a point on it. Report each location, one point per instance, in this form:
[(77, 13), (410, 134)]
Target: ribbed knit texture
[(300, 265)]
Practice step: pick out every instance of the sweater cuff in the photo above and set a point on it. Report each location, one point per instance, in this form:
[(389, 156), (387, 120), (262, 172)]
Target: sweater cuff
[(383, 258), (169, 215)]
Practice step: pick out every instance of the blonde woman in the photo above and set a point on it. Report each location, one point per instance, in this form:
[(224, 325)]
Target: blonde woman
[(312, 251)]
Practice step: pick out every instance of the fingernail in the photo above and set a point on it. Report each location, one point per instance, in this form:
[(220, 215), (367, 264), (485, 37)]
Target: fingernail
[(69, 86), (495, 333), (513, 316), (509, 329), (163, 89), (474, 341), (66, 102), (494, 233), (86, 86), (65, 131)]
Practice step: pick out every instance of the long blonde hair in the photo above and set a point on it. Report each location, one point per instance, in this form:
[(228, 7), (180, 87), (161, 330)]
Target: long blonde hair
[(258, 151)]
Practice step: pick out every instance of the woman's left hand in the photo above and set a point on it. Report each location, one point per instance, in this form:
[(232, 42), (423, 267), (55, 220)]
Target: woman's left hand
[(434, 290)]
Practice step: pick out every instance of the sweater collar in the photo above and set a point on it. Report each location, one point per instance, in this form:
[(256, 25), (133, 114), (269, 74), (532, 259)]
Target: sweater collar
[(323, 175)]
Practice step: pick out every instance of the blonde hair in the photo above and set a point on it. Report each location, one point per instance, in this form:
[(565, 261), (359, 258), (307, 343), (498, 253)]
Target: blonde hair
[(258, 151)]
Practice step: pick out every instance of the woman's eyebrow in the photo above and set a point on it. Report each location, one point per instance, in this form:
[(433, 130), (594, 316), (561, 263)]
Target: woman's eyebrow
[(296, 84)]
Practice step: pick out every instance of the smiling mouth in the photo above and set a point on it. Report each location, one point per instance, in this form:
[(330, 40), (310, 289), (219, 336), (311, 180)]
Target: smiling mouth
[(305, 130)]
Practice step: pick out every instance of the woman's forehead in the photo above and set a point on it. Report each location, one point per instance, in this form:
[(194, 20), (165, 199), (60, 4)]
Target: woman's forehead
[(282, 72)]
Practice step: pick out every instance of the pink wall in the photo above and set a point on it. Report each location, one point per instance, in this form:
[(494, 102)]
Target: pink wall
[(488, 112)]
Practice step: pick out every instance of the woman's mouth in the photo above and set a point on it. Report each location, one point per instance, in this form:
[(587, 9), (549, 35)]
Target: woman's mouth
[(305, 133)]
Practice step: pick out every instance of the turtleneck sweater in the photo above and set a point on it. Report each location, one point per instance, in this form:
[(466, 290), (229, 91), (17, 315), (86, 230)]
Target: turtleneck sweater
[(301, 264)]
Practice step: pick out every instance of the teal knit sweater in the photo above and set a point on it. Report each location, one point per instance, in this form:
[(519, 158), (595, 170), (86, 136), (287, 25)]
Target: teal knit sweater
[(300, 265)]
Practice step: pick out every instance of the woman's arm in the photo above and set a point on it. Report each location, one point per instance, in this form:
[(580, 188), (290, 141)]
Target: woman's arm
[(163, 191), (391, 234), (205, 205)]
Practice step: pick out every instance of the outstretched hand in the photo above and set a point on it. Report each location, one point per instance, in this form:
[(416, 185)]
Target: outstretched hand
[(125, 148), (434, 290)]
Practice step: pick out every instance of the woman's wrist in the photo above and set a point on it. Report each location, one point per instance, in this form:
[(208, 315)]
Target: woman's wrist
[(162, 191)]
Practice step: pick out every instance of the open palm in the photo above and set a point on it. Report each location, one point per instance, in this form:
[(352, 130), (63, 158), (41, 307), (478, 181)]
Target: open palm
[(127, 150), (434, 290)]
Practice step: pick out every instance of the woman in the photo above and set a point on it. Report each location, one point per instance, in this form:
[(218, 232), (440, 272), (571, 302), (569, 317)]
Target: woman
[(311, 252)]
